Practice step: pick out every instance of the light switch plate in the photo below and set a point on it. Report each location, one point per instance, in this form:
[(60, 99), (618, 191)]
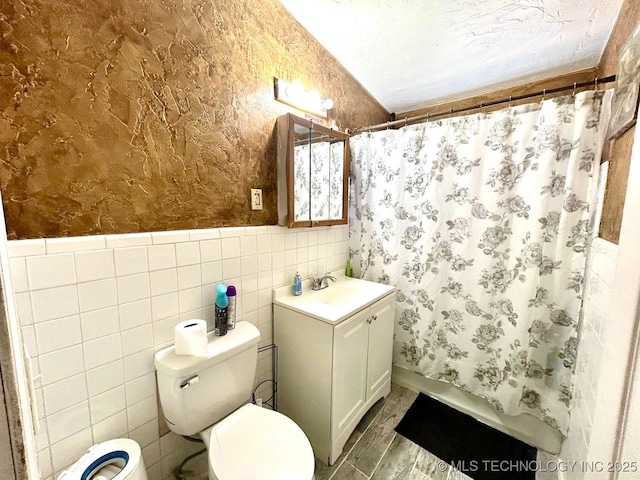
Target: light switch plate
[(256, 199)]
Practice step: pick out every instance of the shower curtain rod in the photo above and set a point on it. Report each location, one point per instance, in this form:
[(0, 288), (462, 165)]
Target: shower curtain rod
[(307, 141), (430, 116)]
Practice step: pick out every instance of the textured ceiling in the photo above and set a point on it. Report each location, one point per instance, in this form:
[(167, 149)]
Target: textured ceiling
[(415, 53)]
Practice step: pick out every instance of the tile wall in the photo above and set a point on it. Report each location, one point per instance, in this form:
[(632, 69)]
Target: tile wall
[(94, 310), (601, 264)]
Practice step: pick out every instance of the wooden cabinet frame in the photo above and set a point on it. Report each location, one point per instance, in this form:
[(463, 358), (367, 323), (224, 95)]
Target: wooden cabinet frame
[(286, 141)]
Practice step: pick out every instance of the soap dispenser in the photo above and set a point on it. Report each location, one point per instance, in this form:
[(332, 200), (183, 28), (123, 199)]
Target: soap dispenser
[(297, 284)]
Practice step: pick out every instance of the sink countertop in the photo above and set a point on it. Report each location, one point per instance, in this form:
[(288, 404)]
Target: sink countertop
[(353, 295)]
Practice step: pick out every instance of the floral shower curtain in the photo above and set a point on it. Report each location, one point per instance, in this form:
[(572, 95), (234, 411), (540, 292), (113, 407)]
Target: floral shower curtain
[(482, 223), (317, 174)]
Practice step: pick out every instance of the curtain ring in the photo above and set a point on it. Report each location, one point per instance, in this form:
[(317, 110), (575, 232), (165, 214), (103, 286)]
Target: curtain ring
[(596, 84), (510, 99), (406, 119), (428, 115), (544, 93), (574, 89), (388, 125)]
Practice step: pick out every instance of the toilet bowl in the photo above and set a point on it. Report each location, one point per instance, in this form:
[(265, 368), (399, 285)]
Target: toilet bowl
[(207, 396), (119, 459), (255, 442)]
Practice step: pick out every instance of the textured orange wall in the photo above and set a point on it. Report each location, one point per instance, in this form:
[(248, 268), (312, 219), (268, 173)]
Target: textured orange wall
[(140, 115)]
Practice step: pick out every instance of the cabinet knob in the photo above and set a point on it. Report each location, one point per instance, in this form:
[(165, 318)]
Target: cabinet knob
[(374, 318)]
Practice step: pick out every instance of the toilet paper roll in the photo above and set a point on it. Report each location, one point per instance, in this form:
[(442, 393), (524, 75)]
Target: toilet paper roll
[(191, 338)]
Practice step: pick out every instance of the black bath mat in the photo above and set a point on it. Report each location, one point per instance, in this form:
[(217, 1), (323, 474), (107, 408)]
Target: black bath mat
[(479, 451)]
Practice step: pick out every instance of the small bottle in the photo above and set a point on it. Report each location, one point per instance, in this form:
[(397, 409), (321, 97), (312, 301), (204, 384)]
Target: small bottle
[(297, 284), (231, 309), (348, 272), (222, 302)]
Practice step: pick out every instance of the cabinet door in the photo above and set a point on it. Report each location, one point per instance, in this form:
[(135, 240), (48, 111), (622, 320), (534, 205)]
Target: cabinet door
[(380, 344), (350, 341)]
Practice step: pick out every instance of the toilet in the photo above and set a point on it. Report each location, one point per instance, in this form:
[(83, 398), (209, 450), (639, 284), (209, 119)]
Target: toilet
[(207, 396), (119, 459)]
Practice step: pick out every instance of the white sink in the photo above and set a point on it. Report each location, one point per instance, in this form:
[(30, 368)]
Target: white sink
[(334, 303), (338, 294)]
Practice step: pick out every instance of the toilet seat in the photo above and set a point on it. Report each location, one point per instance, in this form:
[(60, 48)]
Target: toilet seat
[(121, 455), (255, 443)]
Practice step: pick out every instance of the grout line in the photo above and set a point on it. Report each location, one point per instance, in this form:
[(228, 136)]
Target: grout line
[(383, 454), (343, 460), (353, 446), (384, 401), (415, 462), (358, 470)]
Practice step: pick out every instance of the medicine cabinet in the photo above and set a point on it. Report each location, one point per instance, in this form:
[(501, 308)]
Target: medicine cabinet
[(313, 171)]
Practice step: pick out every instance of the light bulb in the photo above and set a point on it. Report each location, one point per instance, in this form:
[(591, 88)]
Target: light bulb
[(327, 104), (297, 87)]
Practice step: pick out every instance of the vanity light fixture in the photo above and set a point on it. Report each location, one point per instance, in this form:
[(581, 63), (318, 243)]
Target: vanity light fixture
[(294, 95)]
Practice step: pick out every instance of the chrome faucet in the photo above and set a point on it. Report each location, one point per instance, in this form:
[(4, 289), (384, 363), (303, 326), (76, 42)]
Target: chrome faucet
[(321, 282)]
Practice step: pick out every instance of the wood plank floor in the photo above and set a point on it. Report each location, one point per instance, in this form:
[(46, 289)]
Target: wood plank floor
[(376, 452)]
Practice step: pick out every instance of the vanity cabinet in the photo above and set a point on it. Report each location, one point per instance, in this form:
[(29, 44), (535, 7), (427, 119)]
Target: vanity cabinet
[(330, 374)]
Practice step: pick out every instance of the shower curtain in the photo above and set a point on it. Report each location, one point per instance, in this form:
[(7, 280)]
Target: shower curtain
[(317, 174), (482, 223)]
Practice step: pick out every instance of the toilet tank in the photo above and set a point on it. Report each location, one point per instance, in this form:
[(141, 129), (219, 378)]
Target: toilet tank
[(196, 392)]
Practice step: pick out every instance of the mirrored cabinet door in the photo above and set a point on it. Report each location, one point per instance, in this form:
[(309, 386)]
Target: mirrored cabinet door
[(313, 166), (320, 177), (338, 178), (301, 173)]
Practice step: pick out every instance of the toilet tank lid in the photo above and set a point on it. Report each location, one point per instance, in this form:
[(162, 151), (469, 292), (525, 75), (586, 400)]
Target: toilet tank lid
[(244, 336)]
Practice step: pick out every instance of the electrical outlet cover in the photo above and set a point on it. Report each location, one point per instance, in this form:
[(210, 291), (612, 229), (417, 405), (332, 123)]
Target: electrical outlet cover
[(256, 199)]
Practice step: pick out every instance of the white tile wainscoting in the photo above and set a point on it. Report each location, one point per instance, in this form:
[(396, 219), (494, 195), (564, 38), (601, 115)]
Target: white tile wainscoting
[(601, 266), (94, 310)]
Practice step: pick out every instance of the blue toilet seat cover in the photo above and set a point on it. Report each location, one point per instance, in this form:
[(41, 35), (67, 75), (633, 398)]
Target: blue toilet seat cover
[(103, 461)]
